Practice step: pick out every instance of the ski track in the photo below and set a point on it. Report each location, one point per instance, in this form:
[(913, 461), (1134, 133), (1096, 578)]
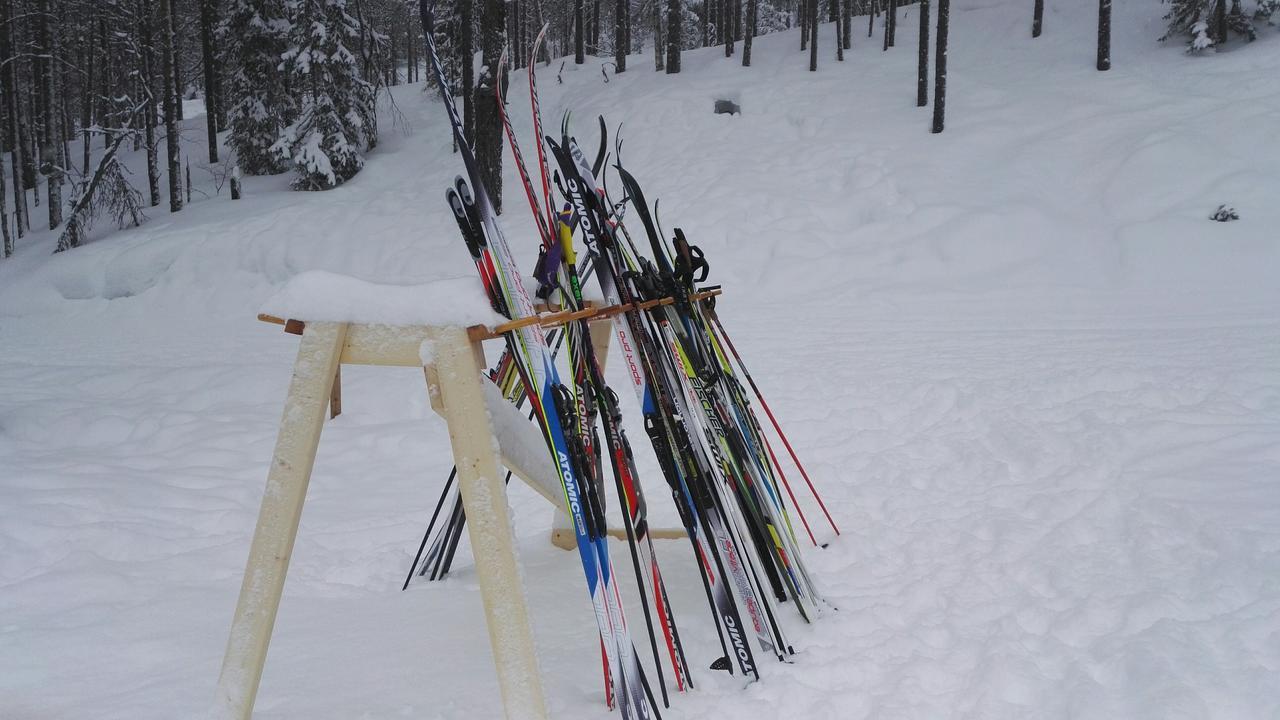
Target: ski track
[(1037, 388)]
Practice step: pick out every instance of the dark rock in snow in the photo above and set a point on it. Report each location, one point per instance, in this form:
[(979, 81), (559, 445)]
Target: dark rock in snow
[(727, 107)]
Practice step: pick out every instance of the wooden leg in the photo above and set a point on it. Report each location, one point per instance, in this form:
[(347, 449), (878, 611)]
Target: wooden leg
[(313, 375), (457, 373), (335, 395)]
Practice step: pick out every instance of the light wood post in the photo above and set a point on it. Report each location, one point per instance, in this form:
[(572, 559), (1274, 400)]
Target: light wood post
[(459, 388), (264, 574)]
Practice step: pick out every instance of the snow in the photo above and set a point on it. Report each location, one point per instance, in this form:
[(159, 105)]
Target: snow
[(324, 296), (1036, 385)]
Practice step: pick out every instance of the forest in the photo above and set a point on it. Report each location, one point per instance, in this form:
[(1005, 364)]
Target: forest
[(295, 85)]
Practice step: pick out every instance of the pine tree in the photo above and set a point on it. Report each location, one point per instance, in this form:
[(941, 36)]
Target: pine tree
[(336, 121), (259, 107)]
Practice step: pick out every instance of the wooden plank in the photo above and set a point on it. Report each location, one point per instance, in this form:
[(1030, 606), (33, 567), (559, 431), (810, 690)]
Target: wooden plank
[(282, 500), (484, 496)]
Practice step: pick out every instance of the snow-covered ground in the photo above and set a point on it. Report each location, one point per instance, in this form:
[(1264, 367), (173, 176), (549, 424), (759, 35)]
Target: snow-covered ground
[(1039, 389)]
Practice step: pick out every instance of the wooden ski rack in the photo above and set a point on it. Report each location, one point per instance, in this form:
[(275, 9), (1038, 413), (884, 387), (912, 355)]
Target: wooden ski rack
[(472, 406)]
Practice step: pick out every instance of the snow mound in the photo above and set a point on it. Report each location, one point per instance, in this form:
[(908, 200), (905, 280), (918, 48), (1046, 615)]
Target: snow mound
[(318, 295)]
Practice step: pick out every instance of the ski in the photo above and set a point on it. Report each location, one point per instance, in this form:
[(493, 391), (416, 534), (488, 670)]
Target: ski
[(541, 378)]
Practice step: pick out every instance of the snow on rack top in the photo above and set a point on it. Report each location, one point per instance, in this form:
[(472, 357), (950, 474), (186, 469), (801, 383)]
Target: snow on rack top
[(317, 295)]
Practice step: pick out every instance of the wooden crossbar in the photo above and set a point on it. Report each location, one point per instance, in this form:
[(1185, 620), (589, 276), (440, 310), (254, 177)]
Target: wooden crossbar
[(544, 319)]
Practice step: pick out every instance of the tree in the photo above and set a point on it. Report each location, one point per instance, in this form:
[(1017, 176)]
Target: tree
[(940, 67), (14, 89), (1037, 18), (675, 39), (488, 130), (658, 50), (579, 53), (846, 24), (52, 161), (922, 67), (255, 34), (813, 35), (170, 103), (1208, 23), (175, 41), (620, 14), (467, 61), (147, 81), (4, 206), (208, 15), (107, 189), (1104, 34), (753, 20), (336, 121), (839, 23)]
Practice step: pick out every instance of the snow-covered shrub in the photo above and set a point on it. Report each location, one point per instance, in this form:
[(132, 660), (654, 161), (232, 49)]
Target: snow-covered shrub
[(1225, 213), (336, 119)]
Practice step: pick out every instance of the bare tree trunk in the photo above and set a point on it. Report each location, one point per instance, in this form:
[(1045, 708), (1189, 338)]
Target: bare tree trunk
[(1104, 32), (17, 138), (727, 32), (86, 90), (1037, 19), (620, 36), (51, 160), (4, 203), (148, 82), (488, 128), (893, 22), (172, 150), (753, 11), (657, 36), (802, 14), (595, 27), (208, 16), (922, 69), (674, 35), (839, 23), (176, 54), (813, 35), (579, 49), (940, 66), (467, 59), (846, 33)]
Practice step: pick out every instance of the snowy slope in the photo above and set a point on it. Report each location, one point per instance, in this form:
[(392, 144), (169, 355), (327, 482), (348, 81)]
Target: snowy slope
[(1038, 387)]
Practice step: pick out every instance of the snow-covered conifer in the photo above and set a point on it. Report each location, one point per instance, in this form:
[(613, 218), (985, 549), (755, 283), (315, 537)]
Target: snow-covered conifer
[(254, 36), (1209, 23), (336, 120)]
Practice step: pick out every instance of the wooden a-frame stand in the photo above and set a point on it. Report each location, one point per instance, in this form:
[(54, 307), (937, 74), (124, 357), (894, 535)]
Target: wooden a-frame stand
[(469, 403)]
